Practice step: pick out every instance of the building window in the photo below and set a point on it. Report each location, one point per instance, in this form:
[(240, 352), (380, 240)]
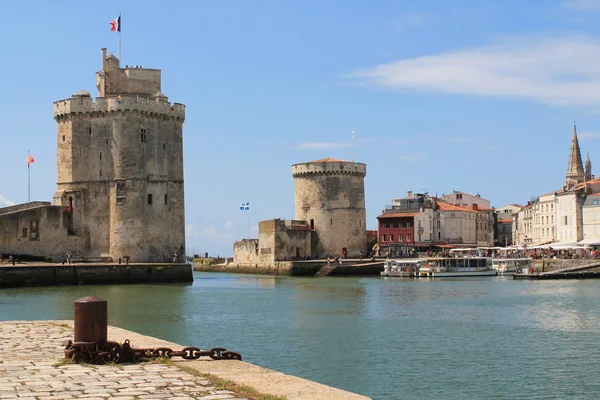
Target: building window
[(391, 238), (24, 233), (106, 141), (34, 229), (143, 135), (595, 202), (400, 238), (164, 146), (383, 238), (166, 198), (90, 130), (439, 235), (407, 238), (100, 156), (565, 220), (400, 225), (150, 198), (408, 224), (312, 224), (100, 173)]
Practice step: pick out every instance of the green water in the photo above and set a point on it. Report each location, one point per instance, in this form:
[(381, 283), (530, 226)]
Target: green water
[(474, 338)]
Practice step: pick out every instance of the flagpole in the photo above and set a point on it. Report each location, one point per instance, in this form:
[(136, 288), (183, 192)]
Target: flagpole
[(120, 60), (28, 178), (248, 224)]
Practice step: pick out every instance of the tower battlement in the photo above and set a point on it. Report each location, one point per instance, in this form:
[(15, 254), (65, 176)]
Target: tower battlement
[(82, 105), (329, 166)]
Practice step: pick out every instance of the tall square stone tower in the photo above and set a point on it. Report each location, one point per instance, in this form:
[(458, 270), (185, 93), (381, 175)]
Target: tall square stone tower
[(120, 166)]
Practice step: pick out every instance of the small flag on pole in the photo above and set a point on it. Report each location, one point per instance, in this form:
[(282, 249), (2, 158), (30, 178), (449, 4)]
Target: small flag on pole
[(245, 206), (115, 25), (30, 160)]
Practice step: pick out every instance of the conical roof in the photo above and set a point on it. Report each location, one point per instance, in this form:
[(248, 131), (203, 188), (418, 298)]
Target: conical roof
[(575, 173)]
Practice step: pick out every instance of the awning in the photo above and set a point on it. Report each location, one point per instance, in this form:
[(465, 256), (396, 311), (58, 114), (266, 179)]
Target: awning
[(563, 245), (591, 242)]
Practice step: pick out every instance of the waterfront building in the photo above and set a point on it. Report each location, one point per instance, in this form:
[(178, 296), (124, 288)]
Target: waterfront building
[(465, 199), (422, 221), (503, 224), (591, 220), (329, 220), (120, 189), (522, 225)]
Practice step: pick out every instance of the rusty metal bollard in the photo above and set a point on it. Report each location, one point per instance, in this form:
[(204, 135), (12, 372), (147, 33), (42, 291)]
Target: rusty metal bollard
[(91, 320)]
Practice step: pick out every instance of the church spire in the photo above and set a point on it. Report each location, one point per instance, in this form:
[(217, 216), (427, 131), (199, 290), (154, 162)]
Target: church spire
[(588, 168), (575, 173)]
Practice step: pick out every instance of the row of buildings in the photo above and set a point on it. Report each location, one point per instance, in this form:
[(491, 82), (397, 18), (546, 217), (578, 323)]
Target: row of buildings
[(568, 216)]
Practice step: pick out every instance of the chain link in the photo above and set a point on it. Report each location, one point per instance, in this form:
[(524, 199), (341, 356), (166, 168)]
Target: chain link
[(113, 352)]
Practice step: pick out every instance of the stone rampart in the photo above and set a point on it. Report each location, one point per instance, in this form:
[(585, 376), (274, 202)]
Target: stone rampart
[(84, 106), (85, 274)]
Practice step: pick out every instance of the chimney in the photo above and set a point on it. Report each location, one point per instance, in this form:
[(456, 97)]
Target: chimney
[(409, 193), (104, 59)]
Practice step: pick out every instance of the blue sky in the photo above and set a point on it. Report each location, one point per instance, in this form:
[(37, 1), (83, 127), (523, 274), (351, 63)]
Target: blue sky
[(478, 96)]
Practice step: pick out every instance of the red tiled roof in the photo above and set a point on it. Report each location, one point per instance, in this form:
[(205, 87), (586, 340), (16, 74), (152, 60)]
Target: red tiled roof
[(328, 160), (398, 215), (504, 220)]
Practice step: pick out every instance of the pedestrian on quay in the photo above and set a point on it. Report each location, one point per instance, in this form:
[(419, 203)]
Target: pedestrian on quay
[(328, 260), (69, 257), (11, 260)]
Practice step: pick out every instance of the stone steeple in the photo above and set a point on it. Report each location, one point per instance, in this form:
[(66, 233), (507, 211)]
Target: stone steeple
[(575, 173), (588, 169)]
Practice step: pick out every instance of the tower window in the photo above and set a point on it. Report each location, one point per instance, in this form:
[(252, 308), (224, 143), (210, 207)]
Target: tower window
[(100, 156), (150, 198), (90, 130), (312, 224), (106, 141), (164, 146), (63, 138), (166, 198), (143, 136), (100, 173)]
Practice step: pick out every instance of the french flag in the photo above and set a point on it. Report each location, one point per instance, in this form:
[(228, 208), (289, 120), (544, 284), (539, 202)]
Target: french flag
[(115, 25)]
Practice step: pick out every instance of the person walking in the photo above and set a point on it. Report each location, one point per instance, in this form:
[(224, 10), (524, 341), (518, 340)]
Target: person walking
[(69, 257)]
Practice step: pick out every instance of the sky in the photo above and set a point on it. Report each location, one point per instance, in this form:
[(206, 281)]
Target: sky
[(478, 96)]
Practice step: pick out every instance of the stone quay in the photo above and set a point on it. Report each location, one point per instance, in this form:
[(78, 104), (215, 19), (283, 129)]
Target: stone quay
[(33, 368)]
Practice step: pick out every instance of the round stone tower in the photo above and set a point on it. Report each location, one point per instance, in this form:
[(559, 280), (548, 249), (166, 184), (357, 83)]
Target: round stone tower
[(120, 166), (329, 194)]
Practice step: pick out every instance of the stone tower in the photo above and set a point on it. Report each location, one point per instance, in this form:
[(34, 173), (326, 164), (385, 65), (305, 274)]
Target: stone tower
[(329, 194), (575, 173), (120, 166), (588, 168)]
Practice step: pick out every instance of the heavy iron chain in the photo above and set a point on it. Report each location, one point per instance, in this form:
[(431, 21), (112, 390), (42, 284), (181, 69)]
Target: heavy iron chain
[(113, 352)]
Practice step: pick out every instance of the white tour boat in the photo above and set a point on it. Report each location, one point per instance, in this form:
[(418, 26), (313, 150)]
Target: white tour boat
[(511, 265), (441, 267)]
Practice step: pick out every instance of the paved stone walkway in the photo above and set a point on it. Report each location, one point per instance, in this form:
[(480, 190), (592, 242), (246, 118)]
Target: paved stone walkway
[(29, 371)]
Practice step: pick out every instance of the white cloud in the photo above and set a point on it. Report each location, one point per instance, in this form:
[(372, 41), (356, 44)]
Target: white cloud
[(229, 224), (552, 70), (321, 145), (581, 5), (4, 202), (588, 135), (409, 157)]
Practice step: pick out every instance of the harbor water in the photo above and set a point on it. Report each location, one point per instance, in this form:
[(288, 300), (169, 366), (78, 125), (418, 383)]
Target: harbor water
[(392, 338)]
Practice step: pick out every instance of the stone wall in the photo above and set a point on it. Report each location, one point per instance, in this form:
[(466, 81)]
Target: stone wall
[(52, 238), (45, 275)]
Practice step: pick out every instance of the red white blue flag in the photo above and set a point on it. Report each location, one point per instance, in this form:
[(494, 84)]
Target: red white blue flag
[(115, 25)]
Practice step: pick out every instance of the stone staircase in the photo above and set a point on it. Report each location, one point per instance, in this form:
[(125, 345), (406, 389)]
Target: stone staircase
[(326, 270)]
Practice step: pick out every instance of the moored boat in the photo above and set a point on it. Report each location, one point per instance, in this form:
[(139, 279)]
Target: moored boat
[(506, 266), (441, 267)]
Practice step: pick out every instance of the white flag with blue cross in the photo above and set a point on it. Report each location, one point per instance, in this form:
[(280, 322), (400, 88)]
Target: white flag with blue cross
[(245, 206)]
